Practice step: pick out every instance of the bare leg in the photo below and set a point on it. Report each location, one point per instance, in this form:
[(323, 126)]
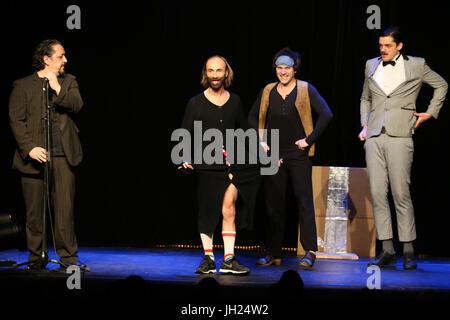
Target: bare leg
[(229, 208), (230, 264)]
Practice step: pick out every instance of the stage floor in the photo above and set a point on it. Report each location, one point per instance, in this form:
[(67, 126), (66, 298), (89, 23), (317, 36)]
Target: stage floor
[(167, 275)]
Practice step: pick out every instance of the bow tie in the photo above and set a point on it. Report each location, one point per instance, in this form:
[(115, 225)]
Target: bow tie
[(385, 63)]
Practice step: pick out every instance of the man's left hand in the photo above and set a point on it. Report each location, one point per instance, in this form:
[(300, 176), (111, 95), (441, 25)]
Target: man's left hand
[(302, 144), (421, 117)]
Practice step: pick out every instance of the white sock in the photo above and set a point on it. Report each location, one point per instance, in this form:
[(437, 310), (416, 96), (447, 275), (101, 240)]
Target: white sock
[(207, 242), (229, 238)]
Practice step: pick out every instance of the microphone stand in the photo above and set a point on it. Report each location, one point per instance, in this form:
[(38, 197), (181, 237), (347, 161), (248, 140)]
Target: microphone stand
[(44, 259)]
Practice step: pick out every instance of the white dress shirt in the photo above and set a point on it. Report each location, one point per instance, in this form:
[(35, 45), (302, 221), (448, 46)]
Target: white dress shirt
[(390, 77)]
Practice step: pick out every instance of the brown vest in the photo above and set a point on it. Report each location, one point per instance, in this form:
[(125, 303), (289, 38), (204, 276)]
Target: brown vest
[(301, 103)]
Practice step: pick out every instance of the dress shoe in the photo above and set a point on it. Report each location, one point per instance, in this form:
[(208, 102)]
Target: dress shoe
[(308, 260), (35, 268), (268, 261), (409, 263), (385, 259), (37, 265)]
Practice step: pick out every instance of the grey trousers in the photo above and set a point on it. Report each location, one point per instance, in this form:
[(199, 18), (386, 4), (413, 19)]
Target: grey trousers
[(62, 196), (389, 161)]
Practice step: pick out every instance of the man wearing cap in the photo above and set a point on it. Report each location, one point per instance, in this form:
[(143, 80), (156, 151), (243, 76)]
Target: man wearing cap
[(286, 106)]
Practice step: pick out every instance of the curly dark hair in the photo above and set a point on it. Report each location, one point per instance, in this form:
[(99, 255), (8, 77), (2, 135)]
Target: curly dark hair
[(44, 48), (288, 52)]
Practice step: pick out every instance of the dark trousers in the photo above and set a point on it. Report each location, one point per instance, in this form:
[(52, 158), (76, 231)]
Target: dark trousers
[(299, 172), (62, 194)]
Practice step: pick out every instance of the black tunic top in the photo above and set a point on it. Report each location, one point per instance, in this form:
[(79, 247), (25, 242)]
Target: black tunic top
[(228, 116), (213, 179)]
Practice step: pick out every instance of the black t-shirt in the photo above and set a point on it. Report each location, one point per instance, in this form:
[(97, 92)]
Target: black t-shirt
[(282, 114)]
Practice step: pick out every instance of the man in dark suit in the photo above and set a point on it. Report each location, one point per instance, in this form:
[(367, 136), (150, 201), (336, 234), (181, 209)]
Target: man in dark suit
[(27, 108)]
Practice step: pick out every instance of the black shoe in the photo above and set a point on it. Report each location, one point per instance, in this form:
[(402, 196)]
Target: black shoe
[(37, 265), (308, 260), (234, 267), (268, 261), (409, 263), (385, 259), (207, 266), (35, 268)]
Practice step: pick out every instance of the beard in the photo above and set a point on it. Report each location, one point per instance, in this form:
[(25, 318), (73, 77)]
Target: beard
[(61, 71), (216, 86)]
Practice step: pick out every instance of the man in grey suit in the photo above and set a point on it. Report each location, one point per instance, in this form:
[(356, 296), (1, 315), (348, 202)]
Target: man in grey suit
[(389, 119), (26, 109)]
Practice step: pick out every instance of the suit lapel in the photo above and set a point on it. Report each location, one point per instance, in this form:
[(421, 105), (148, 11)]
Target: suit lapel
[(408, 67), (36, 84), (374, 67), (370, 77), (37, 81)]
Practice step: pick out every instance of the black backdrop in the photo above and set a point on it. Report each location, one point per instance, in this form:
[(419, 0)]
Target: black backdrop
[(138, 64)]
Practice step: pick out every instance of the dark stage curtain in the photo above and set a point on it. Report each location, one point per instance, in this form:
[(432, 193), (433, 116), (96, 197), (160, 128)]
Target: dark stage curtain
[(138, 64)]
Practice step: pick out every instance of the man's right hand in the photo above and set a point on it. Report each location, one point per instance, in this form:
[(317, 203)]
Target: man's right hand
[(264, 146), (186, 165), (363, 133), (39, 154)]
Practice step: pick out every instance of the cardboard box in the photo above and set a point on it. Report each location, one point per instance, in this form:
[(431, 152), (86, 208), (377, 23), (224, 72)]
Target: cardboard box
[(359, 222)]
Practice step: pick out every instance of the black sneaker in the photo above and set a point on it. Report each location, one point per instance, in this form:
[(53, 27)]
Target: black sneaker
[(234, 267), (207, 266)]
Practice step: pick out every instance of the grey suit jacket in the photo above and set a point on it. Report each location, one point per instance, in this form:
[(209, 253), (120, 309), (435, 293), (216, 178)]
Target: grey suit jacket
[(27, 122), (396, 111)]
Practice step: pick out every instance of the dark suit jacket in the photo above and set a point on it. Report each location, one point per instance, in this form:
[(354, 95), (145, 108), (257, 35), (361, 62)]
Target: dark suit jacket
[(26, 115)]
